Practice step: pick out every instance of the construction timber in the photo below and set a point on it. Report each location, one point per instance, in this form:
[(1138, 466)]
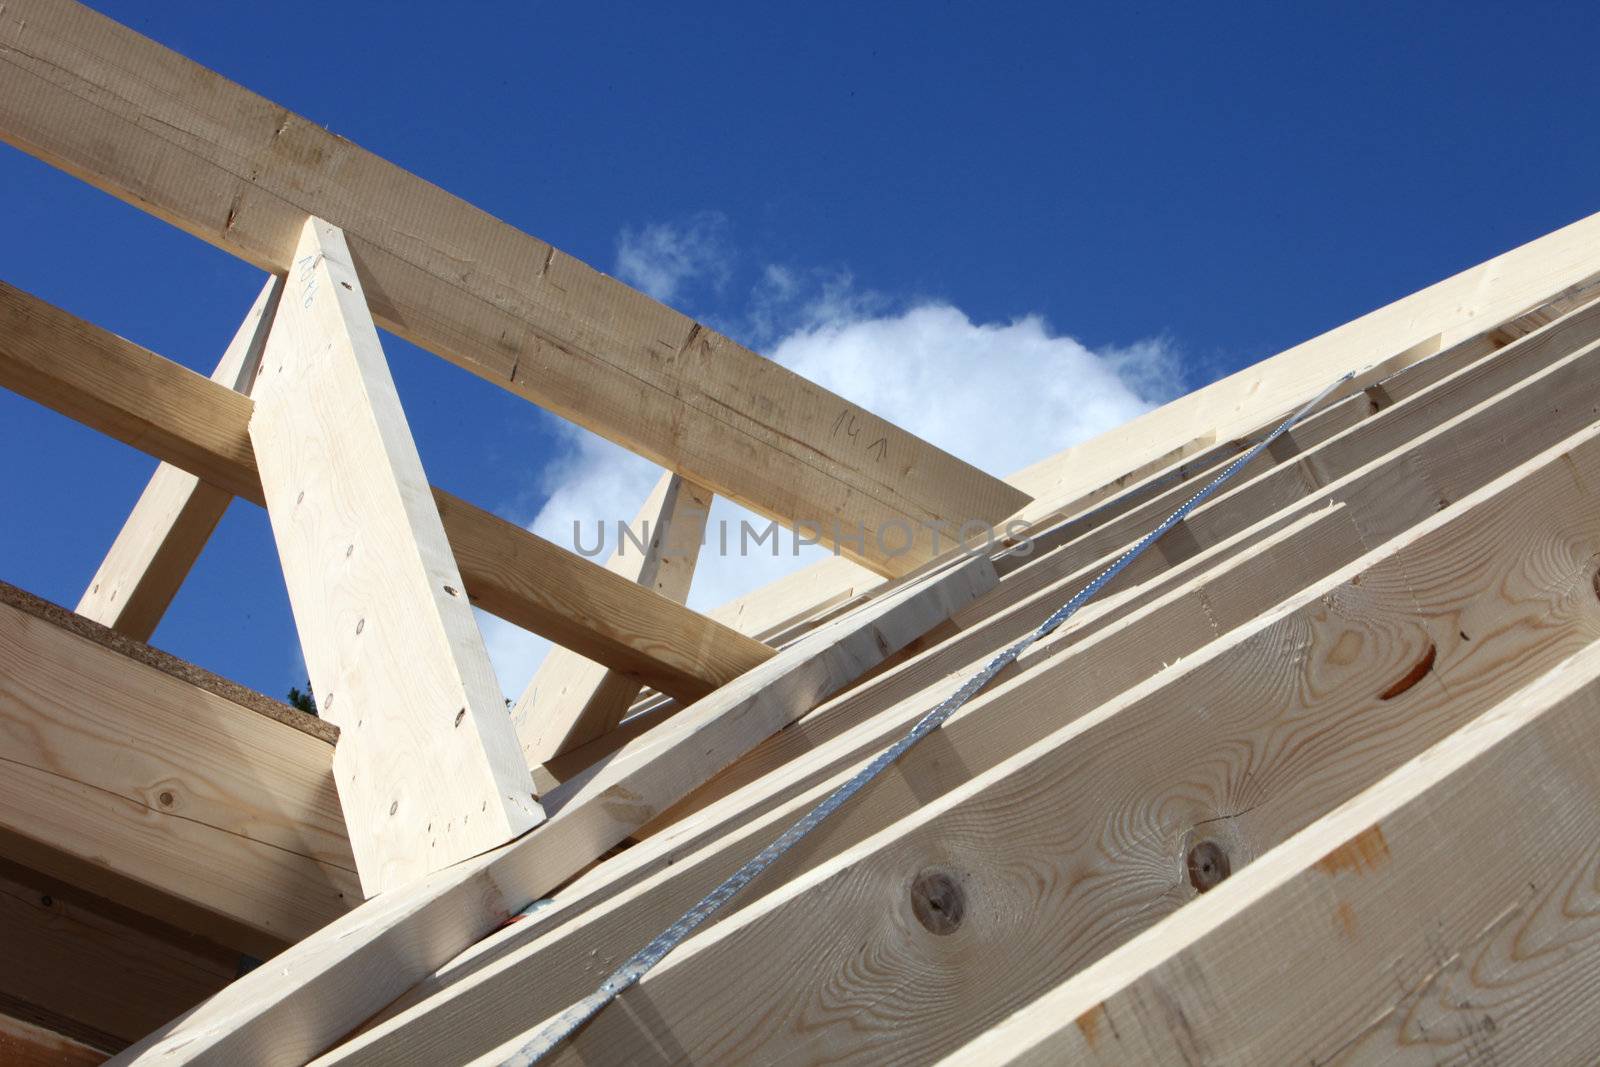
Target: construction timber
[(1317, 779)]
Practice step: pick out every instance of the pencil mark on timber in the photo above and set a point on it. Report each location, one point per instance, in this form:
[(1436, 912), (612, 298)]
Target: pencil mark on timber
[(1367, 851), (1413, 676)]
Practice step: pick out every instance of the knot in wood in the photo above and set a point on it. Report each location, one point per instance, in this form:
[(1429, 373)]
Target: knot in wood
[(938, 901)]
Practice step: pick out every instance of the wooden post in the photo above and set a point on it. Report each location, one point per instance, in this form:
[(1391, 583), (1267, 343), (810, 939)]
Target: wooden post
[(428, 767), (177, 512), (572, 700)]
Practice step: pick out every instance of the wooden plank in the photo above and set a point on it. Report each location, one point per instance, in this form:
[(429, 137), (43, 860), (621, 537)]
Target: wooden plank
[(319, 990), (24, 1044), (1110, 646), (1428, 321), (172, 413), (174, 517), (1066, 850), (1379, 934), (157, 130), (126, 779), (1423, 452), (428, 766), (763, 612), (83, 965), (571, 700)]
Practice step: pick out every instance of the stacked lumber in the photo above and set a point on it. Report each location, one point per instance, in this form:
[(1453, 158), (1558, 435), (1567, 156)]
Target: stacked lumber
[(1312, 779)]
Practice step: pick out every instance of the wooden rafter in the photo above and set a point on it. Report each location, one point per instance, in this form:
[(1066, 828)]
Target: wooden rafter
[(145, 124), (556, 957), (162, 408), (1478, 960), (327, 984), (999, 889), (571, 700), (176, 513)]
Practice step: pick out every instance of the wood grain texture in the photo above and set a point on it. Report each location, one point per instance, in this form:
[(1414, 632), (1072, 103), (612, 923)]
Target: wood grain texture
[(1385, 932), (168, 411), (1412, 327), (175, 515), (1073, 846), (571, 700), (87, 967), (792, 598), (25, 1044), (323, 987), (135, 785), (1399, 464), (1107, 648), (163, 133), (428, 766)]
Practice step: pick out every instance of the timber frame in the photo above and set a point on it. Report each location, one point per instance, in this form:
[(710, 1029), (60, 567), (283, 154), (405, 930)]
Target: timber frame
[(1234, 812)]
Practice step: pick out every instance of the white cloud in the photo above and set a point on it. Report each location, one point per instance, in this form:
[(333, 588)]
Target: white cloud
[(998, 395), (664, 257)]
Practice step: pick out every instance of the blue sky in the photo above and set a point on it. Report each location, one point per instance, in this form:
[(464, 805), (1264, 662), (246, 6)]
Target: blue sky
[(1121, 202)]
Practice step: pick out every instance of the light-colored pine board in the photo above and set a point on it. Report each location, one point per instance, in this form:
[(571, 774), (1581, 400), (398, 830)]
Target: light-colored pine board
[(323, 987), (428, 767), (571, 700), (88, 95), (765, 611), (1068, 849), (175, 515), (1449, 914), (1146, 627), (1410, 458), (1399, 333), (168, 411), (128, 781)]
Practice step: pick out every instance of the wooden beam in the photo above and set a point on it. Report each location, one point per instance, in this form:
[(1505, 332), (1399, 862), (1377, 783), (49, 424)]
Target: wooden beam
[(26, 1044), (319, 990), (1397, 334), (1111, 646), (559, 955), (571, 700), (428, 766), (91, 96), (1380, 933), (1069, 848), (177, 512), (1420, 454), (85, 966), (172, 413), (767, 611), (176, 824)]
